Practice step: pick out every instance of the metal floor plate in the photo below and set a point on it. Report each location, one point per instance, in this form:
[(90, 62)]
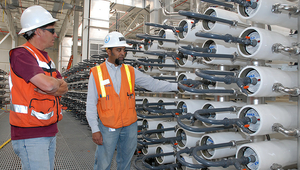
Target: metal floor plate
[(75, 149)]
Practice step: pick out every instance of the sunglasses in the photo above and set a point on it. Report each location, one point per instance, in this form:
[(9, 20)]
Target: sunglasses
[(52, 30)]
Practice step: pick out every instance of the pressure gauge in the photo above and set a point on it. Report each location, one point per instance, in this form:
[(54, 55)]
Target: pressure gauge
[(253, 113), (253, 74), (253, 36), (252, 165)]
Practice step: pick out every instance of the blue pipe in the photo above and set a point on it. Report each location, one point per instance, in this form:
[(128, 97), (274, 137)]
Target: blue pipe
[(199, 16), (244, 3), (151, 64), (193, 53), (160, 110), (184, 163), (193, 129), (194, 90), (228, 79), (240, 122), (237, 162), (150, 37), (218, 3), (227, 38), (198, 49), (172, 166)]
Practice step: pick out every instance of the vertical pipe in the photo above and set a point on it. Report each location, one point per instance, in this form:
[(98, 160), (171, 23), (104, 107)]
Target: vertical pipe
[(298, 143)]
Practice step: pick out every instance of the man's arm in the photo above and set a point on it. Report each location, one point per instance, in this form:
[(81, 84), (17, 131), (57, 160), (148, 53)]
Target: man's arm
[(152, 84), (49, 85), (91, 111)]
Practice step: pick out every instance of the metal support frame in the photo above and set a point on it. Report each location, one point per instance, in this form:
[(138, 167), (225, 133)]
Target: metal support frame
[(298, 118), (76, 58)]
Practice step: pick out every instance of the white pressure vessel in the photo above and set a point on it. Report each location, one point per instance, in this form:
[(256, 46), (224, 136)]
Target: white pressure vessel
[(188, 35), (263, 14), (149, 149), (151, 124), (266, 153), (190, 106), (165, 125), (168, 34), (218, 27), (267, 115), (187, 61), (168, 60), (221, 115), (265, 40), (189, 139), (165, 159), (218, 138), (222, 47), (266, 77)]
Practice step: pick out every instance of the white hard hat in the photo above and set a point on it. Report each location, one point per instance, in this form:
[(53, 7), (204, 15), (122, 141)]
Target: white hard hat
[(35, 17), (114, 39)]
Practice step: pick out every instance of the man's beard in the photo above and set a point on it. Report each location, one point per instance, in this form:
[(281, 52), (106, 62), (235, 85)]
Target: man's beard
[(119, 62)]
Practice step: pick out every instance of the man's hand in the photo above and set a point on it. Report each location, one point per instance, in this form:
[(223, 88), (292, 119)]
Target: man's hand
[(97, 138)]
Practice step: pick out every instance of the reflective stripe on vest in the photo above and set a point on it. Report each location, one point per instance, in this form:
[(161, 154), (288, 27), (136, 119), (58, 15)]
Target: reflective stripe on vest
[(18, 108), (41, 63), (101, 79), (42, 116), (24, 109), (128, 77)]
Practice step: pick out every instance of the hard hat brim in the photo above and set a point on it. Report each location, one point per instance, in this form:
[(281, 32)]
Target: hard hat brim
[(111, 46), (34, 27)]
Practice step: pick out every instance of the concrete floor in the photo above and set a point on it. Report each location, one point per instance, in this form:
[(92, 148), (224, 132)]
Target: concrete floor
[(75, 148)]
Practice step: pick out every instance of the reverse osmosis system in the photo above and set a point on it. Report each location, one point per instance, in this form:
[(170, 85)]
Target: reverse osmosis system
[(235, 63)]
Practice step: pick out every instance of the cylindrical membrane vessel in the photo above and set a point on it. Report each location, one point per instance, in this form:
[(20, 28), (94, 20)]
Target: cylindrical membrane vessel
[(263, 14), (165, 159), (190, 106), (166, 134), (267, 115), (221, 115), (217, 27), (189, 139), (265, 40), (218, 138), (149, 149), (188, 35), (266, 153), (187, 61), (222, 47), (266, 77), (168, 34)]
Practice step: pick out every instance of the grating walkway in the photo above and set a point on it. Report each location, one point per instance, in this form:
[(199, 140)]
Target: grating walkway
[(74, 149)]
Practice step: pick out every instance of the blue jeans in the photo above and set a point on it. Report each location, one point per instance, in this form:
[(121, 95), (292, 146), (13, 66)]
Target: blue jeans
[(36, 153), (125, 139)]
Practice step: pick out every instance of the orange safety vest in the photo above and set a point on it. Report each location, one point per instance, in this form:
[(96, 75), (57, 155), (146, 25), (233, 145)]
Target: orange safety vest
[(29, 108), (115, 111)]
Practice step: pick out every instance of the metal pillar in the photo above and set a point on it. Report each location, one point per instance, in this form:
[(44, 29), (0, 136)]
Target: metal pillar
[(298, 144), (76, 58)]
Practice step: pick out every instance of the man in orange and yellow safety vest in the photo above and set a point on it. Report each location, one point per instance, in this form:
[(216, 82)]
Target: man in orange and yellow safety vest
[(110, 108), (35, 88)]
